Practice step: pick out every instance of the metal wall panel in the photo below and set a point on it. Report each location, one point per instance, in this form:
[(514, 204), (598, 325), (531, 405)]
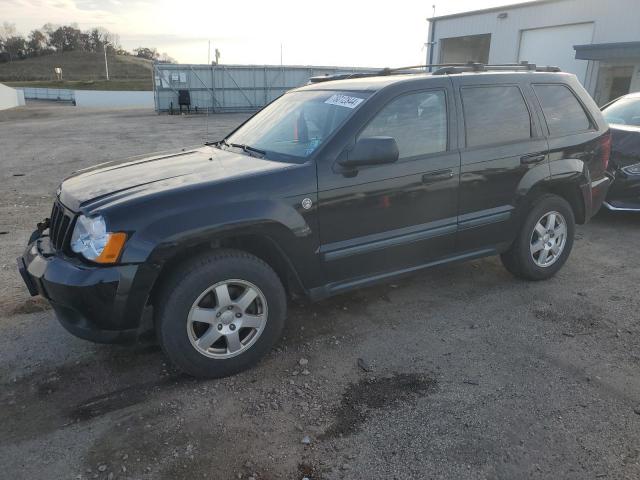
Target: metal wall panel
[(232, 88)]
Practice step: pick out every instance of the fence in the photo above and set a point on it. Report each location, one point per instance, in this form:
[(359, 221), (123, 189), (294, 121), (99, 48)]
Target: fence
[(232, 88), (58, 94), (113, 99), (91, 98)]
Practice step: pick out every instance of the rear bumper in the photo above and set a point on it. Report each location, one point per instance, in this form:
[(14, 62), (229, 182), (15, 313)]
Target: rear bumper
[(626, 205), (624, 194), (93, 303)]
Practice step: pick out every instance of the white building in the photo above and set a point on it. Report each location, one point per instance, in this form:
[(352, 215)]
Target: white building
[(10, 98), (598, 40)]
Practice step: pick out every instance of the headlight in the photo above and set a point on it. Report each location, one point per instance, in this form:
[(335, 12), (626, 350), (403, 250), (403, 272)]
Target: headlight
[(91, 239), (632, 169)]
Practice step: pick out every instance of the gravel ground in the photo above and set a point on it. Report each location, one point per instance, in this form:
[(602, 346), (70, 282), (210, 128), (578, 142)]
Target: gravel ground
[(461, 372)]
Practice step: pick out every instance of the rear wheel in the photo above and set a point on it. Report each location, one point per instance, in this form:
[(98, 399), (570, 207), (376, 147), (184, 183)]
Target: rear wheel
[(544, 241), (220, 313)]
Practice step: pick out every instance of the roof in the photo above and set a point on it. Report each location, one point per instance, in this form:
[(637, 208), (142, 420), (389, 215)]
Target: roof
[(607, 51), (494, 9), (364, 83)]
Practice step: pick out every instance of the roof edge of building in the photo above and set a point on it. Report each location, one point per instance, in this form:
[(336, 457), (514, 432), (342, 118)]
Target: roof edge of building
[(493, 9)]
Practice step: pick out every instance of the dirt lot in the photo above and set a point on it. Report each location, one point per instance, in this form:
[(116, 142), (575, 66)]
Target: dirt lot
[(468, 373)]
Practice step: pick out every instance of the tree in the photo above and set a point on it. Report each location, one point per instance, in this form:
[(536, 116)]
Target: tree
[(16, 47), (96, 39), (68, 38), (148, 53), (37, 43), (7, 30), (53, 38), (165, 58)]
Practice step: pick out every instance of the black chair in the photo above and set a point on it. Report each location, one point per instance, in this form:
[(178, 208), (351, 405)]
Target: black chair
[(184, 98)]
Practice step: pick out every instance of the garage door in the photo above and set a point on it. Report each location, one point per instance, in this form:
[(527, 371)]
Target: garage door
[(554, 46)]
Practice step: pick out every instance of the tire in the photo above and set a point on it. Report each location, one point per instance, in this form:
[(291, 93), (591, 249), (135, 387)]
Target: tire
[(521, 261), (192, 313)]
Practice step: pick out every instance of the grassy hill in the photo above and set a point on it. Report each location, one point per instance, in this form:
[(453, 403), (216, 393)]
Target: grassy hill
[(80, 70)]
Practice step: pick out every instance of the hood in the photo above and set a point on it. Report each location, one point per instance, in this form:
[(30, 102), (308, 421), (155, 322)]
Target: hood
[(141, 175)]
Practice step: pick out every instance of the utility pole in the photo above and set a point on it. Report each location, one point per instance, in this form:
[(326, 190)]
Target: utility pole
[(431, 36), (280, 54), (209, 54), (106, 65)]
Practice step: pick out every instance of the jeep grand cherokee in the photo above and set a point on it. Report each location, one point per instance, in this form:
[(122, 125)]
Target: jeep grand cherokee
[(336, 185)]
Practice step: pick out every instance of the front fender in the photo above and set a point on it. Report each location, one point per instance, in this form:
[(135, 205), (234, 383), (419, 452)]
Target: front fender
[(283, 222), (208, 222)]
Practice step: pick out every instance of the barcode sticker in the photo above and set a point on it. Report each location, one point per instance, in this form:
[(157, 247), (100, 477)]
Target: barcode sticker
[(344, 100)]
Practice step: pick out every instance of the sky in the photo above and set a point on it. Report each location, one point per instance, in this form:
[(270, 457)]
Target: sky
[(375, 33)]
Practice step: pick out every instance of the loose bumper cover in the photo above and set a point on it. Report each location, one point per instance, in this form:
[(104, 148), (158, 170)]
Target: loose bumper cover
[(97, 303)]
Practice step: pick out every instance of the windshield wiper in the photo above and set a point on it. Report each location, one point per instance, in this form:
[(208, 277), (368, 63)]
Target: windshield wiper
[(246, 148)]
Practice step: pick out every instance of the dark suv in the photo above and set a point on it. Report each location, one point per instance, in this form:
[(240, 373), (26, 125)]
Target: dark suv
[(334, 186)]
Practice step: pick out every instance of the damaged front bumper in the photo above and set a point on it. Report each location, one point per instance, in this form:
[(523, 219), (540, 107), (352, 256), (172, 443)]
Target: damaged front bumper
[(92, 302)]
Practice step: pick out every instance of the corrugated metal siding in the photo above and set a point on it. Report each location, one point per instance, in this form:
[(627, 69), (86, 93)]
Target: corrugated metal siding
[(227, 88)]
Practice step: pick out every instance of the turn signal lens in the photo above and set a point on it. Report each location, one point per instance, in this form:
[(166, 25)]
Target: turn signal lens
[(113, 248)]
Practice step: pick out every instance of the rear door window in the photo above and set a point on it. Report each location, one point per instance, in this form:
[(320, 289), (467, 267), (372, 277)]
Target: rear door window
[(495, 114), (418, 122), (562, 110)]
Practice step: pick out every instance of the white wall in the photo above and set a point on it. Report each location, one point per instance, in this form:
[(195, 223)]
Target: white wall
[(8, 97), (113, 99), (21, 101), (613, 20), (554, 46)]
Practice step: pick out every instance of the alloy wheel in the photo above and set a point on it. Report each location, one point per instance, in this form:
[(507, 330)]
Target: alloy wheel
[(227, 319), (548, 239)]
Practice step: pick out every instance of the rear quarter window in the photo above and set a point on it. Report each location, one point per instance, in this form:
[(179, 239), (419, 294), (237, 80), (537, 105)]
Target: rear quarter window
[(495, 114), (562, 110)]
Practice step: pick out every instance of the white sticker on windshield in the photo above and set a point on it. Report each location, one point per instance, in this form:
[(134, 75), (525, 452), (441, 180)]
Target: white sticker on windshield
[(344, 100)]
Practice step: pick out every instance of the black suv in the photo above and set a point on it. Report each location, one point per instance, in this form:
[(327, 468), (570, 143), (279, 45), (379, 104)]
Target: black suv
[(334, 186)]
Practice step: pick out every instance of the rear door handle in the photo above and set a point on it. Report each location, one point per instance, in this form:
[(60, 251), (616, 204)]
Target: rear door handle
[(532, 158), (437, 176)]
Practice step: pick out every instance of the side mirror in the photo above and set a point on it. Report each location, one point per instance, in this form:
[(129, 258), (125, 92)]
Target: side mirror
[(371, 151)]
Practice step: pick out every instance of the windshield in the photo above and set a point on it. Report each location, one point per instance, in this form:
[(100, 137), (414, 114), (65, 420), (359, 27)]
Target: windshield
[(296, 124), (625, 111)]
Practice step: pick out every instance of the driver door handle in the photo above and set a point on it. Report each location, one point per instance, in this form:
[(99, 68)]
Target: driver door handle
[(532, 158), (437, 176)]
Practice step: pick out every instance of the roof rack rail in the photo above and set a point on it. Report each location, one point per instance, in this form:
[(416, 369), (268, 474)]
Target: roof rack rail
[(502, 67), (442, 69), (382, 72)]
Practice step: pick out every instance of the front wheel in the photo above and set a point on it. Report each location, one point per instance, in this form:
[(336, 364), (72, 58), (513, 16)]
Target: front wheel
[(220, 313), (544, 241)]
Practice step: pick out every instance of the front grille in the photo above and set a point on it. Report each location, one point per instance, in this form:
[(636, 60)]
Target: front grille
[(60, 226)]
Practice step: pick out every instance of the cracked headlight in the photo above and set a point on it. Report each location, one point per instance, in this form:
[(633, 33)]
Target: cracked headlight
[(91, 240)]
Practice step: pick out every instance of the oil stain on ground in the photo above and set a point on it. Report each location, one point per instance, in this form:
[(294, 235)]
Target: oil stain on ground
[(50, 399), (369, 394)]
